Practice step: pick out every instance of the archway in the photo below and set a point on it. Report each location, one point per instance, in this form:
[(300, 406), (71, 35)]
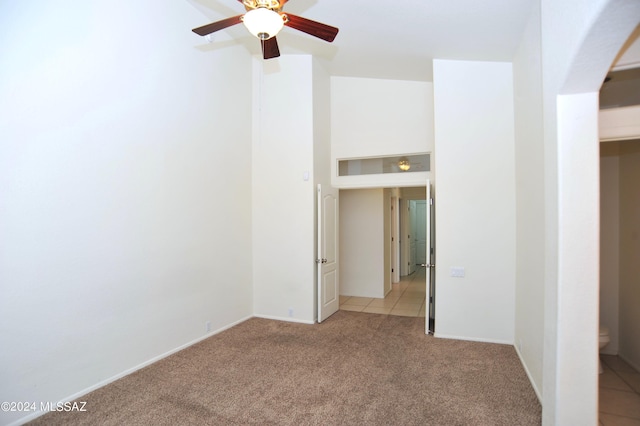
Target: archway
[(571, 321)]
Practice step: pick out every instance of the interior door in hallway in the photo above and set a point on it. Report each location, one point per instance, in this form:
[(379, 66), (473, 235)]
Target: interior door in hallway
[(412, 236), (327, 260), (420, 232)]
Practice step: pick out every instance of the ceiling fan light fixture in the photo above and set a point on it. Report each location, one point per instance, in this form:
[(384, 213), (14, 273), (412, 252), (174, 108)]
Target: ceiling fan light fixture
[(263, 23)]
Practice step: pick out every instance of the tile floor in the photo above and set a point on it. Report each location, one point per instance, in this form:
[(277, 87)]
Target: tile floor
[(406, 298), (619, 398)]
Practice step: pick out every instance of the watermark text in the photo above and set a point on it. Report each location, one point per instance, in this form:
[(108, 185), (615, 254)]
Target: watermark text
[(27, 406)]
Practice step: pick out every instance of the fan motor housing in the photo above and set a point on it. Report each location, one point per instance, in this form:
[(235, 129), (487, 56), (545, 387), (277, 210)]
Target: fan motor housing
[(267, 4)]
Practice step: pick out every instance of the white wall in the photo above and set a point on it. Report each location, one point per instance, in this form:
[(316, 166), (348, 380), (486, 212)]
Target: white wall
[(124, 186), (321, 146), (629, 251), (373, 118), (577, 242), (575, 60), (475, 207), (283, 202), (365, 124), (362, 245), (530, 215), (610, 242)]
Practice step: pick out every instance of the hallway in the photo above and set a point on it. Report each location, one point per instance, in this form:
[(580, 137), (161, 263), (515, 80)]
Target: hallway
[(406, 298)]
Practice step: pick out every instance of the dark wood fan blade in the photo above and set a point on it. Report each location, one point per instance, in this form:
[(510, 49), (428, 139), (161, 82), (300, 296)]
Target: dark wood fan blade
[(217, 26), (316, 29), (270, 48)]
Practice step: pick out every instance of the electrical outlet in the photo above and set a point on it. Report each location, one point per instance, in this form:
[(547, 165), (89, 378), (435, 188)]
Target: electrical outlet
[(207, 326), (457, 271), (290, 312)]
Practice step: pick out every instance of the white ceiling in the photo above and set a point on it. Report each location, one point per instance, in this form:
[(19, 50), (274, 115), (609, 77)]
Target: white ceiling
[(393, 40)]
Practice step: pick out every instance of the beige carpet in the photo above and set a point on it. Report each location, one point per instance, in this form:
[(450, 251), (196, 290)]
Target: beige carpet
[(353, 369)]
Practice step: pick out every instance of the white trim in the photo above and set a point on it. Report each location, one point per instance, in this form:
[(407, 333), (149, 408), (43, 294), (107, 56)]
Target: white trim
[(112, 379), (619, 123), (526, 370), (473, 339), (285, 319), (619, 138), (382, 180), (389, 180), (626, 66)]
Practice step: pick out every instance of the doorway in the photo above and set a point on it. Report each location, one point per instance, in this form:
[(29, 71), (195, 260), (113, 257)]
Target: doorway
[(417, 242), (571, 328), (383, 270), (619, 161), (619, 285)]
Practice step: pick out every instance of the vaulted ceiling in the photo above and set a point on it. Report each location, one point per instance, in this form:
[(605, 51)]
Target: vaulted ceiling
[(394, 40), (399, 39)]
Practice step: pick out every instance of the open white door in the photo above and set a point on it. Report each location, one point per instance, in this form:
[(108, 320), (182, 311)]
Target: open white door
[(395, 239), (328, 283), (430, 266)]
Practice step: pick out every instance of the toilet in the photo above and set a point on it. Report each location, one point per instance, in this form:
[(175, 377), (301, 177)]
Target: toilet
[(604, 340)]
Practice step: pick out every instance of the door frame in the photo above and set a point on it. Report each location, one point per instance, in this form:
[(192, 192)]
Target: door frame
[(399, 228), (430, 273)]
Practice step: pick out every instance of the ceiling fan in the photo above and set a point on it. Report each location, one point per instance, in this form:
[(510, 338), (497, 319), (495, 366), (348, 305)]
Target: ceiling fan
[(264, 19)]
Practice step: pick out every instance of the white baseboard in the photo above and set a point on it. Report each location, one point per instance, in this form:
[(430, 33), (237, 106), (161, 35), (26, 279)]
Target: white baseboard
[(533, 383), (473, 339), (112, 379), (285, 319)]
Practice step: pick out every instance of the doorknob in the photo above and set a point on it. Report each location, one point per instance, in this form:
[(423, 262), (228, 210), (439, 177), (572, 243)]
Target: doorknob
[(321, 260)]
